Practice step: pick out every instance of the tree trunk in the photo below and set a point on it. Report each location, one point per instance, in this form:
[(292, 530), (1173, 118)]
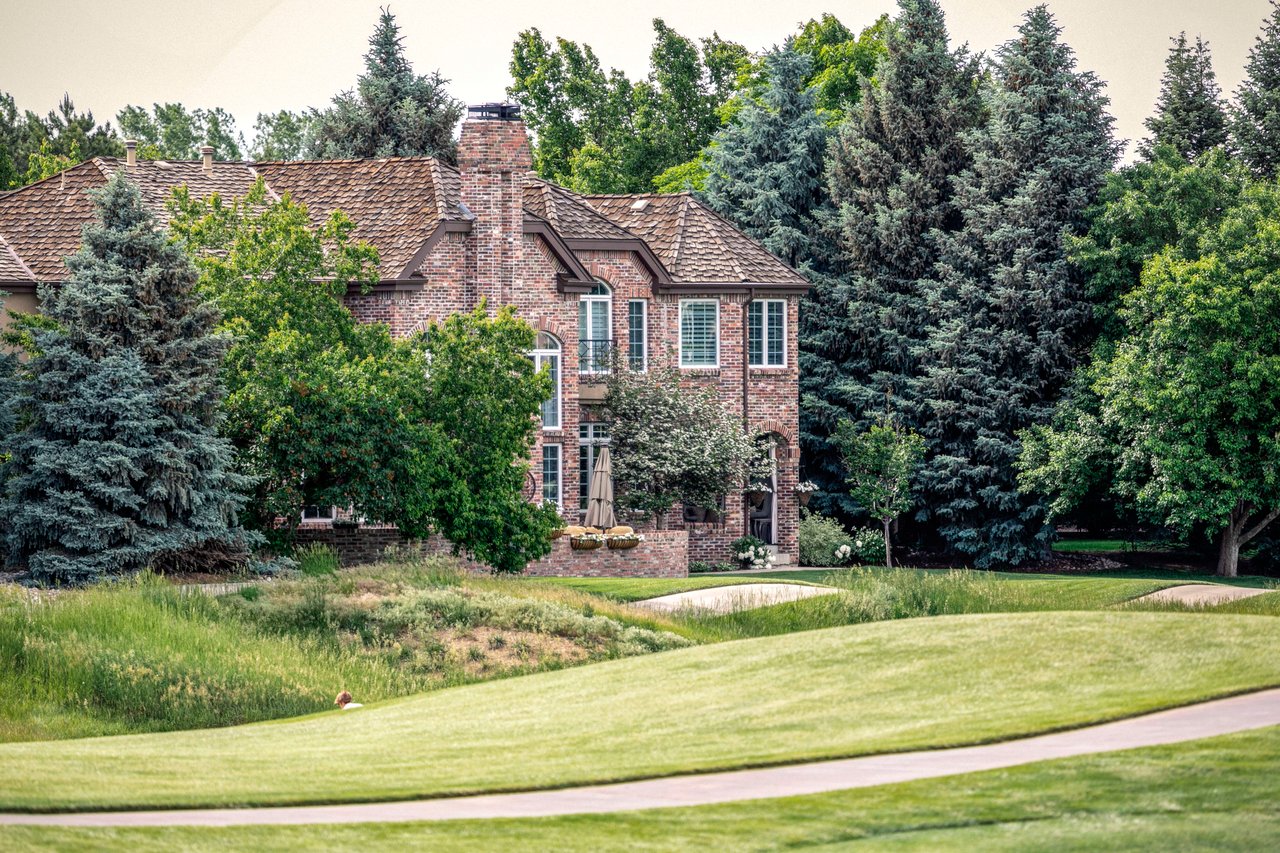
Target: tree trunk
[(1228, 551), (888, 546)]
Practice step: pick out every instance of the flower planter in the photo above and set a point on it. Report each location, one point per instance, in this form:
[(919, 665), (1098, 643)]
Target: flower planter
[(556, 534), (804, 497), (756, 498), (585, 544), (622, 543)]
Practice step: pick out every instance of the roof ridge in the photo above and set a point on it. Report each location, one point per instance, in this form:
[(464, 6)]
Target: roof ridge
[(81, 166), (266, 185), (437, 188), (679, 241), (14, 254), (307, 161)]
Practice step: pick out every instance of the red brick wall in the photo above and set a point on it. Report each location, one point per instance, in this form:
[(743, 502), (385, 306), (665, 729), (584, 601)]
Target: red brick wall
[(662, 554)]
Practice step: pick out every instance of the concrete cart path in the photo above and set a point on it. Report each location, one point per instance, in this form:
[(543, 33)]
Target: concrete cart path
[(1191, 722), (1202, 593), (728, 599)]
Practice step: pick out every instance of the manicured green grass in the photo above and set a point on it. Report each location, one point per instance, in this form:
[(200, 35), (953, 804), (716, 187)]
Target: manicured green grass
[(638, 589), (870, 688), (1107, 546), (1215, 794)]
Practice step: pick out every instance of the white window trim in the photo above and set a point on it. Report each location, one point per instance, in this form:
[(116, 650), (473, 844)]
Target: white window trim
[(594, 443), (542, 483), (680, 335), (558, 391), (585, 300), (323, 519), (764, 332), (644, 329)]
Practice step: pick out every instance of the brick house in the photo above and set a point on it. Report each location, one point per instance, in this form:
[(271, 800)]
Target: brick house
[(650, 279)]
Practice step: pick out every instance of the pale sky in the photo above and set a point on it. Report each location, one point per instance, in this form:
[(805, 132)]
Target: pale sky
[(252, 56)]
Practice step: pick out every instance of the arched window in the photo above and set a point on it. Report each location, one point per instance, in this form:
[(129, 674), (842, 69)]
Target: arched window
[(595, 329), (548, 352)]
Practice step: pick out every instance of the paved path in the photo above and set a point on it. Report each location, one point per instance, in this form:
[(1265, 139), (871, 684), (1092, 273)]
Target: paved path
[(1207, 719), (727, 599), (1202, 593)]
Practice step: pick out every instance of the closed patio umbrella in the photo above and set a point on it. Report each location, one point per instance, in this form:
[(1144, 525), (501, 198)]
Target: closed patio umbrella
[(600, 495)]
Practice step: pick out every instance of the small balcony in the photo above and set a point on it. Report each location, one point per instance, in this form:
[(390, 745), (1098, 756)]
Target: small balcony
[(595, 363)]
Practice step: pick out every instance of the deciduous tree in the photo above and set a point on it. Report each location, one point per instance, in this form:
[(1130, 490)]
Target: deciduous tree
[(880, 463)]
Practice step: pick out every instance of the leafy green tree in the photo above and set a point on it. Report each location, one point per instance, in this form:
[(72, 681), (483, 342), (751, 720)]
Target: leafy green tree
[(430, 433), (880, 462), (1189, 114), (45, 164), (1191, 397), (392, 112), (118, 461), (281, 136), (1255, 118), (670, 444), (890, 170), (766, 169), (1011, 320), (840, 61), (600, 132), (26, 134), (171, 132)]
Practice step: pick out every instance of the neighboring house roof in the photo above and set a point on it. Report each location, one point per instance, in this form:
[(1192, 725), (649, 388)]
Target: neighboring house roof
[(402, 205), (695, 243)]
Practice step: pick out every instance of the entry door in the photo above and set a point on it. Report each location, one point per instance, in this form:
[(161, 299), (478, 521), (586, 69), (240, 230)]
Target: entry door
[(764, 519)]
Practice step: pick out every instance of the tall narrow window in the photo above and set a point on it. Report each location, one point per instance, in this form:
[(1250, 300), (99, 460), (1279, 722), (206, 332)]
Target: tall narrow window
[(548, 353), (638, 334), (591, 437), (699, 333), (767, 333), (551, 468), (595, 331)]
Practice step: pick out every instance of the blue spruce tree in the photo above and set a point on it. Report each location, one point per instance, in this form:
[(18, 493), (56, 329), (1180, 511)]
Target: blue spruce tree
[(117, 462), (1011, 315), (890, 169), (766, 170)]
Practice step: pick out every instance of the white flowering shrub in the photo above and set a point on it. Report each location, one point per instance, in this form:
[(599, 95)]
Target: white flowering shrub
[(823, 541), (752, 553), (867, 546)]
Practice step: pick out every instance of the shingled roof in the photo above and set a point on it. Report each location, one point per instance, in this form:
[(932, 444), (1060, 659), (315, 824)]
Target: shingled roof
[(695, 243), (397, 204)]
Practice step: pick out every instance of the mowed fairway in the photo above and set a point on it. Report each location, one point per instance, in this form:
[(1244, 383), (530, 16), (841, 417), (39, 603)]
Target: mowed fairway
[(845, 691)]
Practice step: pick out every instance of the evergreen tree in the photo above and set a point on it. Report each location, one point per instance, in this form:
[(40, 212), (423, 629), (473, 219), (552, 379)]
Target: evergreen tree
[(889, 170), (1255, 120), (118, 461), (392, 112), (1189, 114), (766, 169), (1012, 315)]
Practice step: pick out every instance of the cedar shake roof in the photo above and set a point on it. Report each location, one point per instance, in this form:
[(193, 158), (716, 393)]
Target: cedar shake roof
[(398, 204), (694, 242)]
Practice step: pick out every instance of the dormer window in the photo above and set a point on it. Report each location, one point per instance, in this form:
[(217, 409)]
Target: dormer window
[(595, 329)]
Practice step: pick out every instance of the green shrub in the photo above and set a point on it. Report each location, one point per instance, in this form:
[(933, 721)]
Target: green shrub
[(866, 546), (316, 560), (821, 539)]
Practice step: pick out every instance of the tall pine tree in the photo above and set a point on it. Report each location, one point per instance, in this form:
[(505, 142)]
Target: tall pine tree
[(1255, 120), (890, 169), (118, 462), (1012, 316), (1189, 114), (766, 170), (392, 112)]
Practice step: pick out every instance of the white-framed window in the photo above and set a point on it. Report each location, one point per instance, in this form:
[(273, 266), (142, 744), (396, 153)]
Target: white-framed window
[(591, 437), (552, 468), (699, 333), (767, 333), (638, 334), (315, 514), (595, 329), (548, 353)]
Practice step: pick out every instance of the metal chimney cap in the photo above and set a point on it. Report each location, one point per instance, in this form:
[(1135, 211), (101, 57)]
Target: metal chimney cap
[(494, 112)]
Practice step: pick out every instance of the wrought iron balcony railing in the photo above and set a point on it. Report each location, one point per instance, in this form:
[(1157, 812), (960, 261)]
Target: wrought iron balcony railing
[(596, 356)]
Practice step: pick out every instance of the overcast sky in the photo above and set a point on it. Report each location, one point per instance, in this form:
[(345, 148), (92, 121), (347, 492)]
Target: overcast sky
[(252, 56)]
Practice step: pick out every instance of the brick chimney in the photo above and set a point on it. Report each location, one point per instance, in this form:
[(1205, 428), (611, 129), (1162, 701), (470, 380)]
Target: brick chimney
[(493, 159)]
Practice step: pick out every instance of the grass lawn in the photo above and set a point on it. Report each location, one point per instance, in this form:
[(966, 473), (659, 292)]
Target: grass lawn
[(1109, 546), (847, 691), (1215, 794)]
